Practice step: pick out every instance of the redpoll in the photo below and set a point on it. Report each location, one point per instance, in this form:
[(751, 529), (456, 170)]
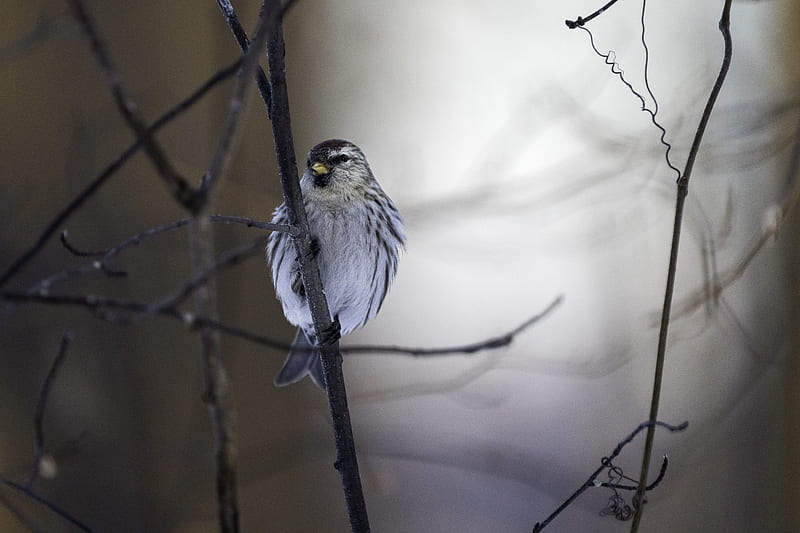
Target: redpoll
[(357, 235)]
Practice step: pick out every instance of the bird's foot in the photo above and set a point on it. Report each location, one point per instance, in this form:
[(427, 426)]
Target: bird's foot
[(332, 334)]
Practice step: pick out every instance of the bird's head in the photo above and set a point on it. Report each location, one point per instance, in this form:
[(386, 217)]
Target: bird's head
[(336, 170)]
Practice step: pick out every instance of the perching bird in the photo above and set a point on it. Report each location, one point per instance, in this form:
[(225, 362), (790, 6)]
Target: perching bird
[(357, 236)]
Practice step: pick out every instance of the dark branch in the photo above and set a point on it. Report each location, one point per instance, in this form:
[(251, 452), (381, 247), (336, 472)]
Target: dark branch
[(346, 459), (580, 21), (488, 344), (682, 192), (244, 43), (46, 503), (38, 418)]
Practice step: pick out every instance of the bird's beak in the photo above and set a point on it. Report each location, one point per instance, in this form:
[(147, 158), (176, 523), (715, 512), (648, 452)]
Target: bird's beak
[(319, 169)]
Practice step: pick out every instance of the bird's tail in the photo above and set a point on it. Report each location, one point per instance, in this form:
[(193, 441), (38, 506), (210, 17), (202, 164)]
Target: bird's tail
[(303, 359)]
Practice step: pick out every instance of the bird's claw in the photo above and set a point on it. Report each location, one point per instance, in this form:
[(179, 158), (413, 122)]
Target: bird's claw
[(331, 334), (315, 248)]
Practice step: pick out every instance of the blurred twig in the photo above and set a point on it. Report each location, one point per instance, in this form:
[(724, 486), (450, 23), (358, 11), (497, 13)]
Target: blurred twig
[(95, 185), (218, 394), (26, 488), (178, 186), (41, 405), (46, 503)]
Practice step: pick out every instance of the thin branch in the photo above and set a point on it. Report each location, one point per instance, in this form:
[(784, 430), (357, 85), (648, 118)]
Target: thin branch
[(610, 59), (137, 239), (38, 418), (682, 192), (346, 459), (46, 27), (244, 43), (580, 21), (593, 481), (46, 503), (488, 344), (95, 185), (227, 259), (180, 189)]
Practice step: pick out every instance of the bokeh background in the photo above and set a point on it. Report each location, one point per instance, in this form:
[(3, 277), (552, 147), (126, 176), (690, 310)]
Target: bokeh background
[(524, 169)]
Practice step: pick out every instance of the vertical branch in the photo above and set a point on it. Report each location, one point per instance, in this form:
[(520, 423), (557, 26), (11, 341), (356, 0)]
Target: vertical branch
[(41, 405), (682, 192), (346, 460), (217, 393)]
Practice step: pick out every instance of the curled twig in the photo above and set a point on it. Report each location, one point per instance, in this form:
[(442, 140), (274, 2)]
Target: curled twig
[(606, 463)]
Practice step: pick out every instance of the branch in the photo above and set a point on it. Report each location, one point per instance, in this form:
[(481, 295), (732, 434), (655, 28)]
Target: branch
[(682, 192), (95, 185), (203, 276), (218, 394), (46, 503), (346, 459), (606, 462), (26, 488), (38, 418), (488, 344), (180, 189)]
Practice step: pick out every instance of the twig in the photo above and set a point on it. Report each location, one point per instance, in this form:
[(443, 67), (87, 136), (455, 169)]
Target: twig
[(137, 239), (580, 21), (95, 185), (46, 503), (26, 487), (38, 418), (592, 481), (177, 185), (244, 43), (346, 459), (203, 276), (682, 192), (488, 344)]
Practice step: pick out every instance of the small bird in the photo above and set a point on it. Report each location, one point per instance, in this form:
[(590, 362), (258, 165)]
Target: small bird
[(357, 236)]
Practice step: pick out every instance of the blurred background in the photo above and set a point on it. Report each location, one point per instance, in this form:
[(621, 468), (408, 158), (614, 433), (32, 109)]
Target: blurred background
[(524, 169)]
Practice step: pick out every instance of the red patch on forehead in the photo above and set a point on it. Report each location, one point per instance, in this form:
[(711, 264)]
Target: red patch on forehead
[(331, 144)]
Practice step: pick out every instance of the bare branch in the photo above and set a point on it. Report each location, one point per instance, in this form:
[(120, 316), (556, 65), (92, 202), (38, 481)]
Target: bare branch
[(201, 277), (38, 419), (44, 502), (488, 344), (218, 395), (682, 192), (346, 459)]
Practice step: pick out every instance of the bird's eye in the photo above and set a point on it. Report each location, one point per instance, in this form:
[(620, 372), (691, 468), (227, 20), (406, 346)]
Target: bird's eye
[(308, 163), (339, 159)]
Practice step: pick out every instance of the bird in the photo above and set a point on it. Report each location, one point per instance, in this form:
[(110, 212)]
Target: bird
[(357, 236)]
